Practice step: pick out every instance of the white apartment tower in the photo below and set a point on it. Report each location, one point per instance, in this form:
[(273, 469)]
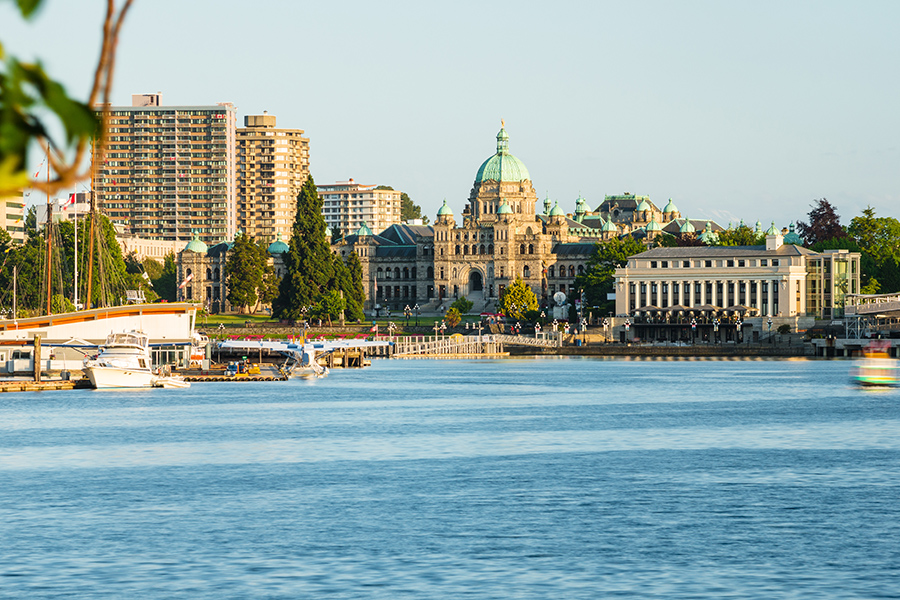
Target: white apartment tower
[(272, 166), (168, 171), (346, 205)]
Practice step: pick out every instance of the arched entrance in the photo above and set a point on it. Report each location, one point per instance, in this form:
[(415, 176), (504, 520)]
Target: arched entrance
[(476, 283)]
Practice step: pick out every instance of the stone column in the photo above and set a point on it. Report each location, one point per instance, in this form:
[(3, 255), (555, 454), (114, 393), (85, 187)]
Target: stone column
[(693, 294), (669, 294), (703, 292), (769, 297), (715, 293), (759, 302)]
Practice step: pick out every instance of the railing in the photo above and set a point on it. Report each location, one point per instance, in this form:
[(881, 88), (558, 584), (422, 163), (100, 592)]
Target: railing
[(407, 347), (550, 340), (867, 304)]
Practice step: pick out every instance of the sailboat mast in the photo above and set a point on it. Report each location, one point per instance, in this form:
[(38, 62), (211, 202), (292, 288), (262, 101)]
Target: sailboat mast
[(91, 248), (75, 216), (49, 233)]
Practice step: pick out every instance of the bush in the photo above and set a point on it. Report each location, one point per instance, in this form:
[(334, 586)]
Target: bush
[(453, 317), (784, 329), (462, 305)]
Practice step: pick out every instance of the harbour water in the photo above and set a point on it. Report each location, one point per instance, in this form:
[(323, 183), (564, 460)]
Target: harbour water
[(534, 478)]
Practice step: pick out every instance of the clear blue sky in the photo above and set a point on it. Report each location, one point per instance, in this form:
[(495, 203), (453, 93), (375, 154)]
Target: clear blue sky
[(736, 110)]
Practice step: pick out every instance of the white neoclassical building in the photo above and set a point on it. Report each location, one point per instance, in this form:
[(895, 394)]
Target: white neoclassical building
[(699, 285)]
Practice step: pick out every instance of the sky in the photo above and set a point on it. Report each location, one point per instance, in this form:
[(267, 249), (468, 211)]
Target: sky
[(735, 110)]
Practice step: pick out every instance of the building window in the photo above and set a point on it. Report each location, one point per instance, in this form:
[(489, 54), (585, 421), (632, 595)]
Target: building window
[(652, 264), (708, 263), (740, 263), (764, 263), (730, 263)]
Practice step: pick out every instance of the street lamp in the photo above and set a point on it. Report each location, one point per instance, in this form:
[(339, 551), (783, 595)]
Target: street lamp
[(769, 323), (605, 328), (416, 308), (407, 311), (738, 331)]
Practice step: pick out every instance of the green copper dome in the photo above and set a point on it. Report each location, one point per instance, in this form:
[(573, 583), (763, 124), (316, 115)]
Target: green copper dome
[(653, 225), (444, 211), (687, 227), (610, 226), (278, 246), (772, 231), (644, 205), (758, 229), (708, 236), (504, 209), (670, 207), (792, 237), (195, 245), (502, 166), (557, 211), (364, 230)]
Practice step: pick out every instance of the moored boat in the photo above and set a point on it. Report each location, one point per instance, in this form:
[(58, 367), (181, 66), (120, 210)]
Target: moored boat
[(124, 362)]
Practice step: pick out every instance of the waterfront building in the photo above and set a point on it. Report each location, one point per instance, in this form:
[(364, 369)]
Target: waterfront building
[(168, 171), (699, 284), (272, 165), (347, 205), (13, 217)]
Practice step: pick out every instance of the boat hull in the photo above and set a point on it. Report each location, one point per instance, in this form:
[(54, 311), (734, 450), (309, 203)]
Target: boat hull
[(115, 377)]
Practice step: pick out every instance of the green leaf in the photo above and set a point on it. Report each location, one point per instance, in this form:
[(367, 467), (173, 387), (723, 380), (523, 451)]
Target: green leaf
[(28, 7)]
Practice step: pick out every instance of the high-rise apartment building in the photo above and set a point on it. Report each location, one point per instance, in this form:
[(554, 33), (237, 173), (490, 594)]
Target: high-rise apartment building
[(272, 165), (13, 217), (346, 205), (168, 171)]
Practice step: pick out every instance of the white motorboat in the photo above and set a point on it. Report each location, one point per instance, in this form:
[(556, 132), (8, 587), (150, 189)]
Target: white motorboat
[(124, 362)]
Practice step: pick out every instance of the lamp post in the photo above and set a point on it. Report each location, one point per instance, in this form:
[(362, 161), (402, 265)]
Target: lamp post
[(769, 323), (716, 329), (416, 308), (738, 331), (407, 311), (436, 328), (693, 330), (605, 328)]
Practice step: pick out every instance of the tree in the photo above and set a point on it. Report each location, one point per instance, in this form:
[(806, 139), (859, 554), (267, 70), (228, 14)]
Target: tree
[(244, 273), (309, 265), (410, 211), (517, 299), (28, 96), (166, 284), (453, 317), (598, 277), (742, 235), (879, 237), (824, 224), (356, 295), (330, 305), (667, 240), (462, 305)]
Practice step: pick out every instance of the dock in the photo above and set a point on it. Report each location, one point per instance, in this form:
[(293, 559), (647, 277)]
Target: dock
[(21, 385)]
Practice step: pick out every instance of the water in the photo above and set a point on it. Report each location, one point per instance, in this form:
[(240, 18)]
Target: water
[(548, 478)]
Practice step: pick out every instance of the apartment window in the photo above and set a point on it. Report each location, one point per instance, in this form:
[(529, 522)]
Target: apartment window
[(665, 264), (708, 263), (774, 262), (740, 263), (730, 263), (685, 263), (764, 262), (652, 264)]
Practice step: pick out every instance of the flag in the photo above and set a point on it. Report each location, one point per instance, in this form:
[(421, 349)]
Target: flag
[(69, 202), (186, 280)]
